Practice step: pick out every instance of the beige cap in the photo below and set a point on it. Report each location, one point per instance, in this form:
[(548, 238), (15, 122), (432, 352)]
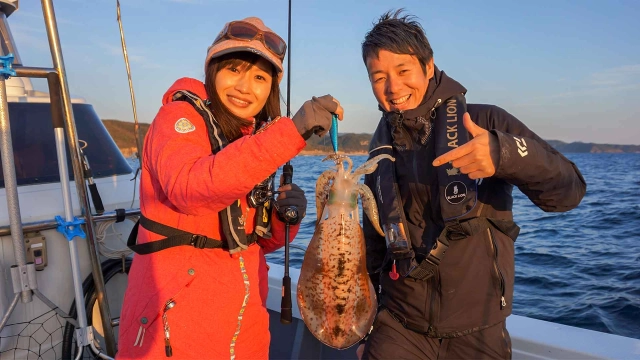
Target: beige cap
[(256, 46)]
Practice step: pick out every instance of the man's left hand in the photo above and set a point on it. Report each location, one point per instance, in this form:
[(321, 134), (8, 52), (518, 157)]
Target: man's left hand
[(478, 157)]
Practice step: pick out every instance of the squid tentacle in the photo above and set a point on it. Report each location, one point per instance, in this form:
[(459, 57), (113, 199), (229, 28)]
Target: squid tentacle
[(323, 187), (370, 166), (369, 206)]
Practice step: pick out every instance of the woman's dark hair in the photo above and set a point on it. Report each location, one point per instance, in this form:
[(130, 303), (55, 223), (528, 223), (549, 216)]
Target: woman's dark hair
[(399, 34), (230, 124)]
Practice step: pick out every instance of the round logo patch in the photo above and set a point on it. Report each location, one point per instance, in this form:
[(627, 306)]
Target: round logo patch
[(183, 125), (455, 192)]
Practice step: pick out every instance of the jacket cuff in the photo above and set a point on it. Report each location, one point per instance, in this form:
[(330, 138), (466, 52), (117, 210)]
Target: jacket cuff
[(512, 151)]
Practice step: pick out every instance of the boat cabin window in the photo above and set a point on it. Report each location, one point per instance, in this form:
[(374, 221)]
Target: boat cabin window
[(34, 144)]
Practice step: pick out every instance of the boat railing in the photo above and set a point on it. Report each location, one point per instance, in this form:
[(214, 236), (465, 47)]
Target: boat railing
[(23, 273), (52, 224)]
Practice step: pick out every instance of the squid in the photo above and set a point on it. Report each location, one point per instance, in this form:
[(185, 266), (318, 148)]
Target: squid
[(335, 295)]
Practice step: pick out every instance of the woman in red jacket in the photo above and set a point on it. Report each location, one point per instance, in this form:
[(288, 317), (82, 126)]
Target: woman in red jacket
[(198, 284)]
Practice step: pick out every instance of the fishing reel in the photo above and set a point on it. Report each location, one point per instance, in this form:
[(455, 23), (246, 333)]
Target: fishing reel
[(261, 193), (289, 214)]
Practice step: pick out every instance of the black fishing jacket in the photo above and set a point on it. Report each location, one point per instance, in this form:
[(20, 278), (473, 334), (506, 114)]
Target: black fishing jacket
[(473, 286)]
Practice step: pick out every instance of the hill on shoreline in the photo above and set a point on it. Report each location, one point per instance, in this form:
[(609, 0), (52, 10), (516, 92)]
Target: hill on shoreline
[(123, 135)]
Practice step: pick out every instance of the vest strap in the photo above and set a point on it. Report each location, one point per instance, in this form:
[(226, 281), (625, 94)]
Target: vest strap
[(427, 268), (453, 231), (174, 237), (458, 193)]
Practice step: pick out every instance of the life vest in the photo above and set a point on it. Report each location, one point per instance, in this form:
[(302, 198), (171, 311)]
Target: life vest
[(457, 192), (230, 218)]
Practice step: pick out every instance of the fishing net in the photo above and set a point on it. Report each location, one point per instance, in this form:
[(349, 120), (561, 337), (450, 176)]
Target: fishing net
[(40, 338)]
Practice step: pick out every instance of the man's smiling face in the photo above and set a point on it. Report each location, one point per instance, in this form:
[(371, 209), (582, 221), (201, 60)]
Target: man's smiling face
[(398, 81)]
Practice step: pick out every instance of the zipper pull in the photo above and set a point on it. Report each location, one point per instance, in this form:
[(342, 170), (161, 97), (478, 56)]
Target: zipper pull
[(393, 274), (432, 114), (503, 302), (167, 347), (165, 322)]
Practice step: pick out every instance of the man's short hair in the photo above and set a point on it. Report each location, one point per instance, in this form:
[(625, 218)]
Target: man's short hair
[(400, 34)]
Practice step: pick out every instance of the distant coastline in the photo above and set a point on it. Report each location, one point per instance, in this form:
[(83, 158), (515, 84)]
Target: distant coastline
[(581, 147), (349, 143)]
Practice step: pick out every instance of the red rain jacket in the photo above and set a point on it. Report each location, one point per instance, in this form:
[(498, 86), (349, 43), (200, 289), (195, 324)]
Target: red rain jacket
[(184, 186)]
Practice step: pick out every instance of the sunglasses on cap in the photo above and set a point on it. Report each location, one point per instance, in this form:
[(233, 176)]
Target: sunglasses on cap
[(244, 31)]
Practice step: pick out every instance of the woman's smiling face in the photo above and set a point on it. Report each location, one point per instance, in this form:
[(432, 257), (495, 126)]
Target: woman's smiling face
[(244, 89)]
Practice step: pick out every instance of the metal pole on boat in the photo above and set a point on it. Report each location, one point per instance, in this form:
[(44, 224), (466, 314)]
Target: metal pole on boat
[(13, 204), (58, 64), (63, 170), (7, 40)]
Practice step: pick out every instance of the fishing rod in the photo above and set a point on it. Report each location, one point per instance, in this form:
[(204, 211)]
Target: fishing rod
[(290, 214), (136, 127)]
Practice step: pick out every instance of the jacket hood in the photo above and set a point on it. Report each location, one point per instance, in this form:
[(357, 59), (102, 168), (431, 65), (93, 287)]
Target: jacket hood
[(189, 84), (416, 122)]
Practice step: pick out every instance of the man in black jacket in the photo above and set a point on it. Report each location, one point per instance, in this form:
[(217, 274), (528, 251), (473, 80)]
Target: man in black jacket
[(445, 268)]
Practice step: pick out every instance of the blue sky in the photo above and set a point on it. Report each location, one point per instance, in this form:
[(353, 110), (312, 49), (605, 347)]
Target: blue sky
[(570, 70)]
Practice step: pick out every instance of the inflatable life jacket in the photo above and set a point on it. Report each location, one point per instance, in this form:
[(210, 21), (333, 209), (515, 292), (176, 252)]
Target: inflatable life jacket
[(457, 192), (230, 218)]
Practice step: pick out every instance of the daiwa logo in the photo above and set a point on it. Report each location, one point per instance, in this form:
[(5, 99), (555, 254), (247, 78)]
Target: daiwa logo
[(522, 146)]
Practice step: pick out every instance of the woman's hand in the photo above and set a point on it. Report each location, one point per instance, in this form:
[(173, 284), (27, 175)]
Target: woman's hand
[(315, 116), (291, 196)]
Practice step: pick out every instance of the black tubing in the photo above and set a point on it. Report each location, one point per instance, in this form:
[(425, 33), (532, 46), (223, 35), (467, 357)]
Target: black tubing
[(56, 100), (96, 199)]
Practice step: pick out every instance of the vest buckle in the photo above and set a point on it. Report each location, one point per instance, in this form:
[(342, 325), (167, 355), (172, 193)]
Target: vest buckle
[(437, 252), (198, 241)]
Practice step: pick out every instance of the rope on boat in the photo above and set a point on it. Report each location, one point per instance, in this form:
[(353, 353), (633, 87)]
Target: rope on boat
[(102, 235)]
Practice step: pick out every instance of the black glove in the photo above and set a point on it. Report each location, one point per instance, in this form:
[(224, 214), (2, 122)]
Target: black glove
[(315, 115), (291, 205)]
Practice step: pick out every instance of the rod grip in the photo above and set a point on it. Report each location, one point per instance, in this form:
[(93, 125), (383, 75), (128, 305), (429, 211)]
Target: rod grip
[(287, 174), (285, 304)]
